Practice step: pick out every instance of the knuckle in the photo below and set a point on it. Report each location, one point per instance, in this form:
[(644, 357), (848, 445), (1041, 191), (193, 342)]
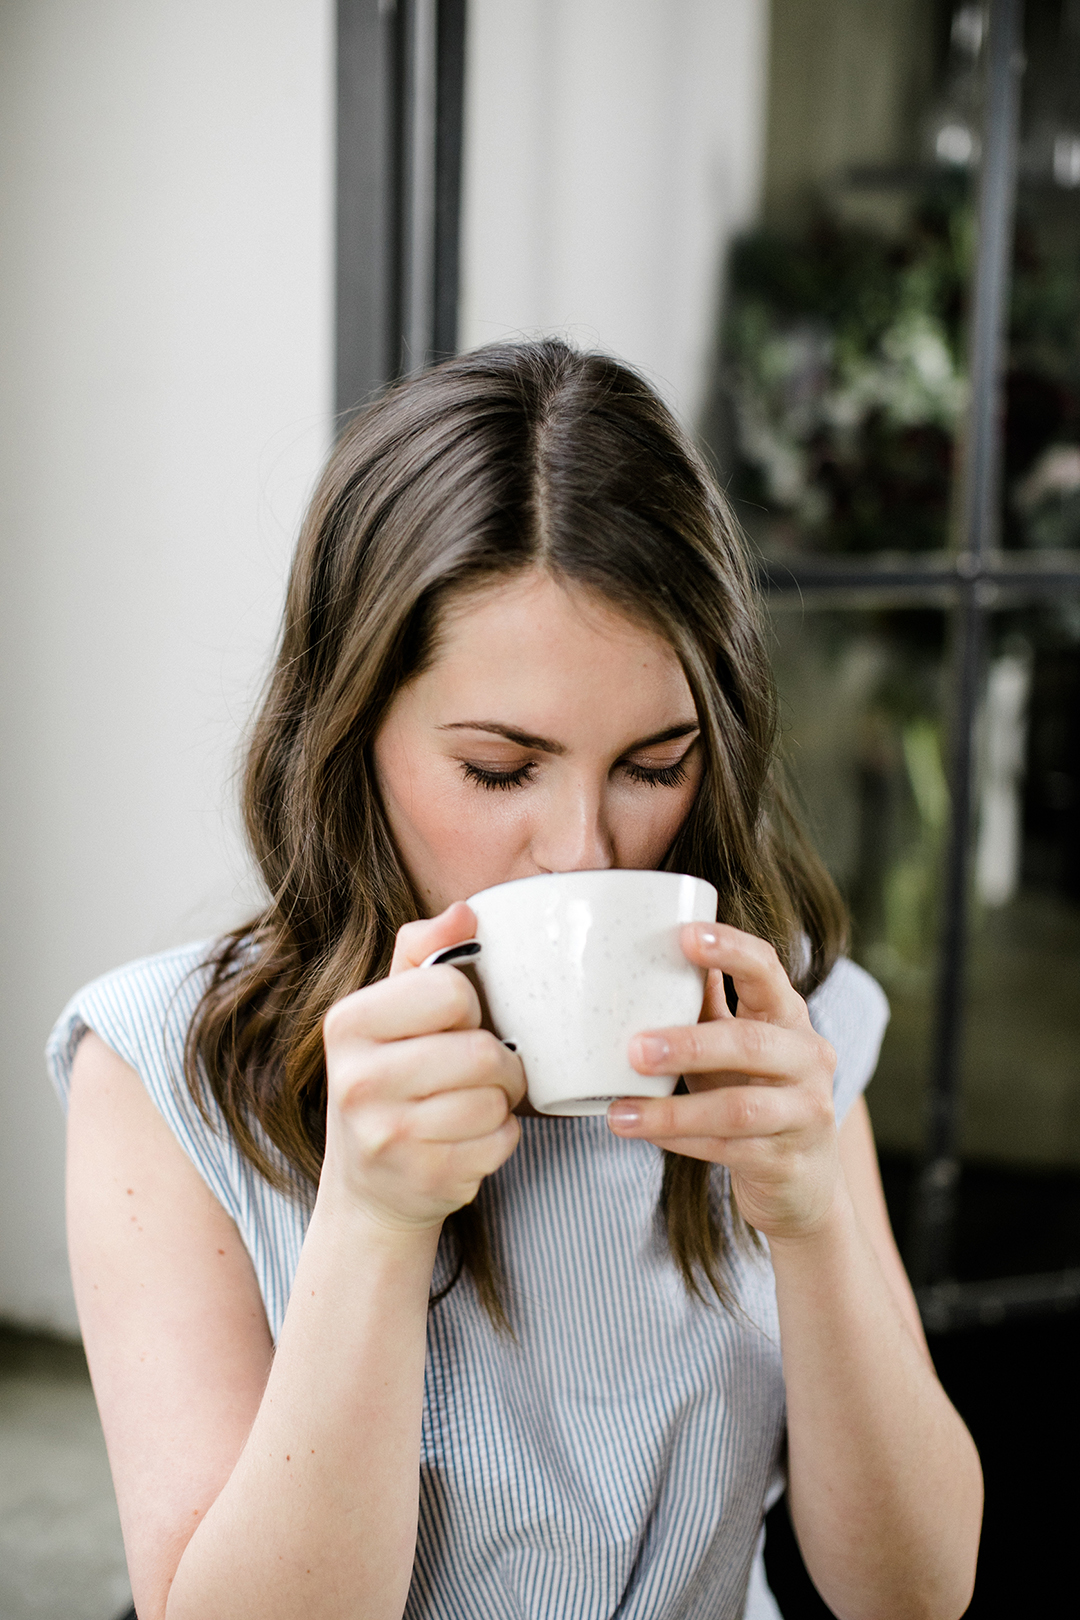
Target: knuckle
[(743, 1112), (456, 996), (827, 1056), (693, 1044), (758, 953), (501, 1145), (498, 1107), (382, 1131), (662, 1118), (358, 1089), (488, 1052), (338, 1020), (822, 1111), (510, 1134), (490, 1112), (755, 1040), (410, 931)]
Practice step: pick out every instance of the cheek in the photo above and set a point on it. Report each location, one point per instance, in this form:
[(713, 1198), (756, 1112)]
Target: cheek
[(649, 820), (454, 819), (441, 823)]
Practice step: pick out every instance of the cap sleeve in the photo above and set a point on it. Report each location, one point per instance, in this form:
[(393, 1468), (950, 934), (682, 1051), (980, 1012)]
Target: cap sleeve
[(850, 1010)]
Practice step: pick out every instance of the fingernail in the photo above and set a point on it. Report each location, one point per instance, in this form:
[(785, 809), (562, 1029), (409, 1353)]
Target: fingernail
[(708, 936), (652, 1049), (624, 1115)]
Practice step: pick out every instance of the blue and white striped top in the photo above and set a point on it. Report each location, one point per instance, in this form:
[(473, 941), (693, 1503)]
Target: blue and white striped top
[(616, 1461)]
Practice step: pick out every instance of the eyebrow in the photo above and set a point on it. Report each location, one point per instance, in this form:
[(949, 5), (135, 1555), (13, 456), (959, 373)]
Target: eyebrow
[(544, 745)]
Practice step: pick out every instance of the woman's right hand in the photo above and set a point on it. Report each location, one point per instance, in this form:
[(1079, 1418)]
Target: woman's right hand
[(419, 1097)]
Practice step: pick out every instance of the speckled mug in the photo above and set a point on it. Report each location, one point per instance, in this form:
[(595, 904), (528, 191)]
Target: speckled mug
[(575, 963)]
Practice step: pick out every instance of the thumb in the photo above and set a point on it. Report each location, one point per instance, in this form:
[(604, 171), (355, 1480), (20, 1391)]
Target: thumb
[(417, 940)]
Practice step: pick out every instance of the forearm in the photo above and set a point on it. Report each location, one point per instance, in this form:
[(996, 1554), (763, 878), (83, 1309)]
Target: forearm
[(885, 1484), (319, 1515)]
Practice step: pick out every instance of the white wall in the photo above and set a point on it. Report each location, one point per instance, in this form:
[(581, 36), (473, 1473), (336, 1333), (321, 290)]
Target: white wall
[(165, 379), (165, 383), (611, 148)]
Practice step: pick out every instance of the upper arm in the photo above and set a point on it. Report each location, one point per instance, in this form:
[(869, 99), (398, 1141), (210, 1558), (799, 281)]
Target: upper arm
[(172, 1319), (858, 1156)]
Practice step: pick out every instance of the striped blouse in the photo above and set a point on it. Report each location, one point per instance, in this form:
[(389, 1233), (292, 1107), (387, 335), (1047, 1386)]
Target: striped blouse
[(617, 1460)]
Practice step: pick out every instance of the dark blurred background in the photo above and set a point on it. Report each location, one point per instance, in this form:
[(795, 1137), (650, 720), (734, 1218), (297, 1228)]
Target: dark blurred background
[(843, 239), (926, 593)]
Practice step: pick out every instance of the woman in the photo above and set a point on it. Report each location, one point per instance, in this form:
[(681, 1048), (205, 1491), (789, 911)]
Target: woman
[(368, 1339)]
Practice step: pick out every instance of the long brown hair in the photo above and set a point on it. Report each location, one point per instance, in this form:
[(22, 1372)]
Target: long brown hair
[(515, 457)]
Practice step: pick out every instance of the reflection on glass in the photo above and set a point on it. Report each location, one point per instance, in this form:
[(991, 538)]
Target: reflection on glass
[(862, 709), (954, 128), (1042, 434), (845, 340), (861, 696), (1021, 1086), (845, 377)]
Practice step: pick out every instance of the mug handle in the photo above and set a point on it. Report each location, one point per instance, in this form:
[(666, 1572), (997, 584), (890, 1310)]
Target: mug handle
[(467, 951)]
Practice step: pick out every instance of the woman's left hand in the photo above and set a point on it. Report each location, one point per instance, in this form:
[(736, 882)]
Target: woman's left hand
[(760, 1086)]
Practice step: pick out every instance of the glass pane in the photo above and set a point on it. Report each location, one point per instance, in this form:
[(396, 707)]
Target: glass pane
[(861, 696), (844, 338), (1042, 439), (1021, 1083)]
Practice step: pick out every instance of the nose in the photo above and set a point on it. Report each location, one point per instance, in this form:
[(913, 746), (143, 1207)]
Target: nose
[(573, 835)]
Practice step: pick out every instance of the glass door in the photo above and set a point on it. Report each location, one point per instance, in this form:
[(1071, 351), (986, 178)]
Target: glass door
[(900, 407)]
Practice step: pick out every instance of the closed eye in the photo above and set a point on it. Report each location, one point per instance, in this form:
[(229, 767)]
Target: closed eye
[(665, 776), (498, 779), (669, 776), (673, 775)]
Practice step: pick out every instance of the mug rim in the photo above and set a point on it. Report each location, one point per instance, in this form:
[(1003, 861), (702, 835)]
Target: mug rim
[(602, 873)]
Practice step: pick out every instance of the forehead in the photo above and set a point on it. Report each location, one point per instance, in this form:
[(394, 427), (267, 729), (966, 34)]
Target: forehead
[(535, 596), (537, 645)]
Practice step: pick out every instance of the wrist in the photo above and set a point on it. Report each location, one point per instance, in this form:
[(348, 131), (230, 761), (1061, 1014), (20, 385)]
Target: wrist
[(834, 1225), (374, 1231)]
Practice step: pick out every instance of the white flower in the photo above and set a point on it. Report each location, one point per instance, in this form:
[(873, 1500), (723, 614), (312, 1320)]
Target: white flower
[(1056, 473)]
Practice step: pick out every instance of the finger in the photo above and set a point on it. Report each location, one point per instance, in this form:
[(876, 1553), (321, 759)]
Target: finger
[(715, 1003), (481, 1156), (731, 1113), (459, 1116), (417, 940), (761, 984), (445, 1170), (745, 1046), (429, 1065), (411, 1003)]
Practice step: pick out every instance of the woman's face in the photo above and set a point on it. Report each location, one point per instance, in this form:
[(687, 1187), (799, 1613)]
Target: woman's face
[(549, 734)]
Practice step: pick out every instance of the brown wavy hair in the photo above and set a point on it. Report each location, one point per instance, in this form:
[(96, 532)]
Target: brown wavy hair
[(514, 457)]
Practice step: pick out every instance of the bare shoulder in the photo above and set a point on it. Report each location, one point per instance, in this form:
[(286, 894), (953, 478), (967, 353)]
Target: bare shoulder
[(172, 1319)]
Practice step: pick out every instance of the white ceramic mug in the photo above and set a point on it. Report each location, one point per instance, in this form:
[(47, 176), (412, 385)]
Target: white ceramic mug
[(573, 964)]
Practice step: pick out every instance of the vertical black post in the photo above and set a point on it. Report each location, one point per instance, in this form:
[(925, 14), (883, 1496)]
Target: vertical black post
[(449, 125), (367, 192), (400, 89), (432, 124), (417, 249), (934, 1205)]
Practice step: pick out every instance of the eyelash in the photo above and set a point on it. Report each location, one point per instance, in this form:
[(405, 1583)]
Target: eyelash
[(669, 776), (498, 779)]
